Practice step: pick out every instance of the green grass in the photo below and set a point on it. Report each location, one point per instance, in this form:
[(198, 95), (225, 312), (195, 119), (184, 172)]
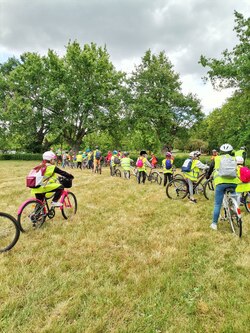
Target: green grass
[(130, 261)]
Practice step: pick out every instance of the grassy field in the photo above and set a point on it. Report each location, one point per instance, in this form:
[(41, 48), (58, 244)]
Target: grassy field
[(130, 261)]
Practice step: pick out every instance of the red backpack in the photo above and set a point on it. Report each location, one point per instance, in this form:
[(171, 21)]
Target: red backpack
[(245, 174), (35, 177)]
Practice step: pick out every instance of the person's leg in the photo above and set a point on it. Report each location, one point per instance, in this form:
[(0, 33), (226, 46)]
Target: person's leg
[(40, 196), (165, 179), (190, 189), (219, 193), (139, 176), (144, 176), (58, 193)]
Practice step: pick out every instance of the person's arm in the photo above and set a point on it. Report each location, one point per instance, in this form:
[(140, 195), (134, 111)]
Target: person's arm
[(148, 164), (63, 173), (202, 166)]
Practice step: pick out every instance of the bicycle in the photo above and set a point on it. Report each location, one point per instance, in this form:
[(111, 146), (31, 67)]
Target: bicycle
[(154, 177), (9, 232), (33, 212), (98, 168), (178, 188), (232, 211)]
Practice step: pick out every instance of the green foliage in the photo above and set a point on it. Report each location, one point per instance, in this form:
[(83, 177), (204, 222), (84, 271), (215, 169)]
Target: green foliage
[(158, 110), (22, 157), (233, 70)]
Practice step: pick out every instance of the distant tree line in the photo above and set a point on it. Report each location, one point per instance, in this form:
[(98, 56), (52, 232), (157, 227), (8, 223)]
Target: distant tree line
[(80, 99)]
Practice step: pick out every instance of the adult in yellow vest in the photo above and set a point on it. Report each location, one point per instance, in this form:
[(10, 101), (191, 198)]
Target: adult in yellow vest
[(192, 175), (50, 183), (221, 182)]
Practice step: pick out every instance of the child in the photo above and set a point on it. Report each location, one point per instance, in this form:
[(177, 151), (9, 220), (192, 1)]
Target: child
[(49, 182), (241, 187), (125, 164), (167, 165), (153, 161), (79, 160), (142, 163)]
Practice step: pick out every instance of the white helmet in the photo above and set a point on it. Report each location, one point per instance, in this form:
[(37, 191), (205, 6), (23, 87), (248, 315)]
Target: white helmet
[(239, 159), (226, 148), (49, 155), (192, 154)]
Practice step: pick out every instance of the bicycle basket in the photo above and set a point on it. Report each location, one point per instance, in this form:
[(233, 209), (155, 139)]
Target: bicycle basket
[(66, 182)]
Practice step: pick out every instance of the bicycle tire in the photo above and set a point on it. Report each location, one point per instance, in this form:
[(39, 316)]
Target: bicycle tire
[(177, 189), (247, 201), (9, 232), (118, 173), (32, 216), (69, 206), (156, 178), (178, 175), (209, 190), (234, 220)]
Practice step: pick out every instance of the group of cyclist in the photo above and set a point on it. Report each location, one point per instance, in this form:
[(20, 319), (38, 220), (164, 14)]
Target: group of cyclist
[(116, 158)]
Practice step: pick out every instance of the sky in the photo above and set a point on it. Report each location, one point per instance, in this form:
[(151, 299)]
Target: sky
[(184, 29)]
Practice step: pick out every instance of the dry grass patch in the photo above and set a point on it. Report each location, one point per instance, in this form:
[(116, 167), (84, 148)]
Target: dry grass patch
[(130, 261)]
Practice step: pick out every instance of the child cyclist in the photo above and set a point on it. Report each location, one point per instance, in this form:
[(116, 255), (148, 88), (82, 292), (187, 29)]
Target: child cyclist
[(242, 187), (142, 163), (49, 183), (167, 165), (192, 175), (125, 164)]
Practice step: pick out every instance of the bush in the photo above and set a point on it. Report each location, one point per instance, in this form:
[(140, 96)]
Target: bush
[(23, 157)]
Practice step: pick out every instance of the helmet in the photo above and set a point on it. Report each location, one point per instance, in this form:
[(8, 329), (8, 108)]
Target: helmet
[(214, 151), (243, 148), (168, 154), (143, 152), (197, 153), (96, 147), (115, 152), (239, 159), (192, 154), (49, 155), (87, 150), (126, 153), (226, 148)]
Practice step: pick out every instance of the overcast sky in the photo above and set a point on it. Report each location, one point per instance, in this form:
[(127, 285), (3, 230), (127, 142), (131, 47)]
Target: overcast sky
[(184, 29)]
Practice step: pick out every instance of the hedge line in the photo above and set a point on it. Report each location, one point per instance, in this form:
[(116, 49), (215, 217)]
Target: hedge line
[(23, 157)]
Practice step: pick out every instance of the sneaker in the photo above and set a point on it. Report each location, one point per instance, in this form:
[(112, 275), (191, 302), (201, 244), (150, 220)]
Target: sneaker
[(56, 204), (213, 226), (193, 200)]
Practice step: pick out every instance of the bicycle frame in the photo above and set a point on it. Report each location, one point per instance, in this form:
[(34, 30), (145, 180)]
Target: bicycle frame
[(46, 204)]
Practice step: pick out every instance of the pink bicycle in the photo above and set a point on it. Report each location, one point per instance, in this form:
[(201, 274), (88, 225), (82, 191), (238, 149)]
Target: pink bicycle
[(32, 213)]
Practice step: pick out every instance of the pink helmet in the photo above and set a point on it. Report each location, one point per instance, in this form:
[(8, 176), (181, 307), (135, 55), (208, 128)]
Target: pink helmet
[(168, 154)]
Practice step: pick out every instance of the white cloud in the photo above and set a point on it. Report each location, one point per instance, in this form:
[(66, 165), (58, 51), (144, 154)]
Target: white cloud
[(183, 29)]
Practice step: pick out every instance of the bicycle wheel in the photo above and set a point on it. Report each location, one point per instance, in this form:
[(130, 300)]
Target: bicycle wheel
[(247, 201), (118, 173), (178, 175), (209, 189), (32, 215), (199, 189), (177, 189), (234, 218), (9, 232), (69, 206), (155, 177)]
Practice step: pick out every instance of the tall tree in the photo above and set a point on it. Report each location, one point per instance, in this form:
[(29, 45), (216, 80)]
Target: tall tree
[(158, 107)]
